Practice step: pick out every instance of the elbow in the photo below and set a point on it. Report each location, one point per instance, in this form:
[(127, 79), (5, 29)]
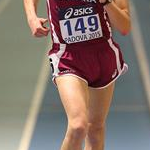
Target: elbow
[(124, 33), (126, 30)]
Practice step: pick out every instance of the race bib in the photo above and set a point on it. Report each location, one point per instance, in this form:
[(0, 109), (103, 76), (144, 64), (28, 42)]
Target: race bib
[(79, 24)]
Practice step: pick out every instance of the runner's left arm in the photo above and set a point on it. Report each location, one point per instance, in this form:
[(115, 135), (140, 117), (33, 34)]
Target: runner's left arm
[(119, 15)]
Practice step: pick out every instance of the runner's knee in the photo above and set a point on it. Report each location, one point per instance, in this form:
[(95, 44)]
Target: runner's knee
[(78, 129), (95, 130)]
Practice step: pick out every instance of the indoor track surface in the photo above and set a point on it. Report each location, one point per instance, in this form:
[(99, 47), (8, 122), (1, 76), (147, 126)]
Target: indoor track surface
[(31, 114)]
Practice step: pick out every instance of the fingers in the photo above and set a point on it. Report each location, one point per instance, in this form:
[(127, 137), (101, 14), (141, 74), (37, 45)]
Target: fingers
[(43, 20), (43, 23), (38, 28), (42, 31)]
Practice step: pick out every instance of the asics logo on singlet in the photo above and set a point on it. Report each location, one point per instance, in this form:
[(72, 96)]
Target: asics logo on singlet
[(78, 12), (69, 13)]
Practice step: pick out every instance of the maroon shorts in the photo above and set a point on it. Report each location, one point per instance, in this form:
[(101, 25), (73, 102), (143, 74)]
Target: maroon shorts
[(98, 63)]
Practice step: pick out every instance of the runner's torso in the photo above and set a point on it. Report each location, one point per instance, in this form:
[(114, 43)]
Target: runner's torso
[(78, 21)]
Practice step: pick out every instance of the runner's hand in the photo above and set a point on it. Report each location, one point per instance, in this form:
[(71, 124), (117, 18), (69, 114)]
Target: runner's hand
[(37, 27)]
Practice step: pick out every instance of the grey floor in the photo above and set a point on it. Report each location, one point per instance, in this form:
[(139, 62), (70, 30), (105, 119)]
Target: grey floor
[(128, 124)]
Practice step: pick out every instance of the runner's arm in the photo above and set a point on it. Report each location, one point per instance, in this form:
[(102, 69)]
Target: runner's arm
[(36, 24), (119, 15)]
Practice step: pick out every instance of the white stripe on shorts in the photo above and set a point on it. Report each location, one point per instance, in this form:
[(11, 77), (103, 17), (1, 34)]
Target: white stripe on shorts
[(56, 58)]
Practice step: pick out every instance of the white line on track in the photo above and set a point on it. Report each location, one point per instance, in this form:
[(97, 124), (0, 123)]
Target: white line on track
[(140, 52), (3, 5), (35, 106)]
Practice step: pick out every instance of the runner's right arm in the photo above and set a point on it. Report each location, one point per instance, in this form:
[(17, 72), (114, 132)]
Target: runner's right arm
[(36, 24)]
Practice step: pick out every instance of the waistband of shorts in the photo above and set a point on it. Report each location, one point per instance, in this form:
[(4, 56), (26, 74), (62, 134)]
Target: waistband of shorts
[(56, 46)]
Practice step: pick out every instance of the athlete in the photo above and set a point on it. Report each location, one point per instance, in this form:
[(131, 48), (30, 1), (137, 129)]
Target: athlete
[(85, 61)]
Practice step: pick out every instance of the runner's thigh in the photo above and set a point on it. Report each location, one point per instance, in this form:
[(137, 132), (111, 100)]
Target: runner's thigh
[(74, 94), (99, 104)]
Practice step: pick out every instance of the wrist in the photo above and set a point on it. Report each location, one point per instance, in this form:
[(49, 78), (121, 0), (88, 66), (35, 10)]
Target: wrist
[(31, 18)]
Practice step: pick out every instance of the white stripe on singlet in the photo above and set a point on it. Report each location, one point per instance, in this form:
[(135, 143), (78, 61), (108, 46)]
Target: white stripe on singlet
[(107, 23), (62, 47), (55, 37)]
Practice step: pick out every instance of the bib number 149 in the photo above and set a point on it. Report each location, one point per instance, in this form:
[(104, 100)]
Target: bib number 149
[(82, 25), (81, 28)]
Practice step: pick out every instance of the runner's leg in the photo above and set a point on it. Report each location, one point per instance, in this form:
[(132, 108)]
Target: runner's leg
[(99, 104), (74, 95)]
